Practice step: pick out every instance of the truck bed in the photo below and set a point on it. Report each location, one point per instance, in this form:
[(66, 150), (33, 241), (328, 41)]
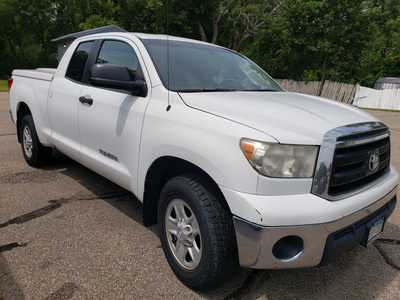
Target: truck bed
[(46, 74), (32, 88)]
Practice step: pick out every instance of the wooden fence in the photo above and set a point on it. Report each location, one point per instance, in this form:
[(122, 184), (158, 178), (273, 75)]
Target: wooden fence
[(342, 92)]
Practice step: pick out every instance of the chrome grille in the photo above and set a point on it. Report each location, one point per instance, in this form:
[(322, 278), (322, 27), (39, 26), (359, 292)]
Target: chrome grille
[(351, 167), (351, 158)]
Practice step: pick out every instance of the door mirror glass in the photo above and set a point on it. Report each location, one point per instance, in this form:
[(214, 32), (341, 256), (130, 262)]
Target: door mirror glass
[(117, 77)]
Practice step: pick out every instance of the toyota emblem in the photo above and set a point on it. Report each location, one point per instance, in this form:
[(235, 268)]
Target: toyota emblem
[(373, 163)]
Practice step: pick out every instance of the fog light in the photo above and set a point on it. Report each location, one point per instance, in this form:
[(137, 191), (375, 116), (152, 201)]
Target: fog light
[(288, 248)]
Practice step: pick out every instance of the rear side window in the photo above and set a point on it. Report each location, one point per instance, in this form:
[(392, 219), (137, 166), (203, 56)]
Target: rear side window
[(78, 61), (122, 54)]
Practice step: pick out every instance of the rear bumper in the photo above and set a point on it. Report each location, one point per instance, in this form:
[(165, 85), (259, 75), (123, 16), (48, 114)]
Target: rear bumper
[(256, 242)]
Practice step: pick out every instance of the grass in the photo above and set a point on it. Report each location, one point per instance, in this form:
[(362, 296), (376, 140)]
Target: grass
[(3, 86)]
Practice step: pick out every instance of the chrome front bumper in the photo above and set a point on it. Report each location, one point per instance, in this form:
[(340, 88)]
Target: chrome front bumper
[(255, 242)]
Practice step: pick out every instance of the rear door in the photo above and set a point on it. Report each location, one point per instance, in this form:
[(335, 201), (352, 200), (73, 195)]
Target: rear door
[(110, 125), (63, 102)]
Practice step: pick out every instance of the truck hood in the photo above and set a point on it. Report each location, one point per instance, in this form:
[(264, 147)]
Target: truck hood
[(288, 117)]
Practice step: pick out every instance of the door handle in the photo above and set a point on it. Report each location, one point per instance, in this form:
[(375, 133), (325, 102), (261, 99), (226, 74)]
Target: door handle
[(86, 100)]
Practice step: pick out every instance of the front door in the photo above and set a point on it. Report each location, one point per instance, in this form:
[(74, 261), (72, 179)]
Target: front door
[(110, 121)]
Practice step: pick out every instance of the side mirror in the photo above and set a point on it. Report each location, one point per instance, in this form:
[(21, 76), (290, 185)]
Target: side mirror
[(117, 77)]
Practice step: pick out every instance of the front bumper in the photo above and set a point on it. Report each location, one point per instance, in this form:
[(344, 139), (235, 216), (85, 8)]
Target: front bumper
[(256, 242)]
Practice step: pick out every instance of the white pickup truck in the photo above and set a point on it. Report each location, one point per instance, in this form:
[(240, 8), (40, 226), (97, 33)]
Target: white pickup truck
[(235, 170)]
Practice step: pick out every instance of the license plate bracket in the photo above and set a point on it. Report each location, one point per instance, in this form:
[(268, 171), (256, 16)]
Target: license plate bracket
[(375, 229)]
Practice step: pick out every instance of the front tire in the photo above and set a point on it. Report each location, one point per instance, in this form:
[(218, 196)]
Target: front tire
[(196, 233), (34, 152)]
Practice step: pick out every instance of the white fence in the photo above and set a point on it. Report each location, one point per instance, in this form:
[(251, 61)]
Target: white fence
[(348, 93), (381, 99)]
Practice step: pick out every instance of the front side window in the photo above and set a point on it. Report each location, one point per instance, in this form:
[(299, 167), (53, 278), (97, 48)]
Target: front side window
[(196, 67), (78, 61), (121, 54)]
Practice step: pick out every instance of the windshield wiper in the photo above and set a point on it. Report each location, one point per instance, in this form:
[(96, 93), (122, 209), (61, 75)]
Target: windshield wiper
[(205, 90)]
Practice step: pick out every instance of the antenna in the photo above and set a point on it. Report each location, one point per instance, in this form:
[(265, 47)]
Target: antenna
[(168, 65)]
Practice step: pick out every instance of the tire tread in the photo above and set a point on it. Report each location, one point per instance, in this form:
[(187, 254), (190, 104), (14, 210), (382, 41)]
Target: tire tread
[(221, 232)]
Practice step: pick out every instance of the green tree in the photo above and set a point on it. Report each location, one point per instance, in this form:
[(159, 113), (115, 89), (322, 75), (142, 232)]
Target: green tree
[(381, 56), (100, 13), (301, 39), (320, 39)]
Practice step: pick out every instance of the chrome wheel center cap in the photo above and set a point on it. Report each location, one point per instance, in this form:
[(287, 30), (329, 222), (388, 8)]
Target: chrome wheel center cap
[(185, 233)]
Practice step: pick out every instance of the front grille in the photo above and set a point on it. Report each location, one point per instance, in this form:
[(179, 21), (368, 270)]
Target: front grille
[(351, 161)]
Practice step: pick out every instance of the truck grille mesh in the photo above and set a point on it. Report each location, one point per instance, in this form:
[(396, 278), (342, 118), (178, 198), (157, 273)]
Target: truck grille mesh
[(351, 165)]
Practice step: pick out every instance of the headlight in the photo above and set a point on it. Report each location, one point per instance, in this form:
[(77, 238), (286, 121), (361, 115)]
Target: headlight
[(280, 160)]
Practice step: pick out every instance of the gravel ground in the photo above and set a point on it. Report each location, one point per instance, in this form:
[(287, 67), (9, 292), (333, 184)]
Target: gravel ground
[(67, 233)]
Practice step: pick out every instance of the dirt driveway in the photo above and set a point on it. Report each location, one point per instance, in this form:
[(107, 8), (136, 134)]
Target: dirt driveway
[(67, 233)]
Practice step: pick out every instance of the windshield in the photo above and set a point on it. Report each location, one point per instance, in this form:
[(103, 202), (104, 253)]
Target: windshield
[(196, 67)]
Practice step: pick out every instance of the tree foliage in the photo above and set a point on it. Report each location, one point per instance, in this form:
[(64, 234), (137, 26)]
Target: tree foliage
[(345, 40)]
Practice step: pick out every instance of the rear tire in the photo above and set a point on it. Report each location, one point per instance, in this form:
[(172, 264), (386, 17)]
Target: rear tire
[(203, 227), (34, 152)]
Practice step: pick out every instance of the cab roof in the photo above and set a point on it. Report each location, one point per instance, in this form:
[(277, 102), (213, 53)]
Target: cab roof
[(113, 29)]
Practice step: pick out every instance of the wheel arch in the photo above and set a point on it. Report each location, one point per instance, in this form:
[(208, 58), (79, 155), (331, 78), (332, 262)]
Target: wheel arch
[(163, 169)]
